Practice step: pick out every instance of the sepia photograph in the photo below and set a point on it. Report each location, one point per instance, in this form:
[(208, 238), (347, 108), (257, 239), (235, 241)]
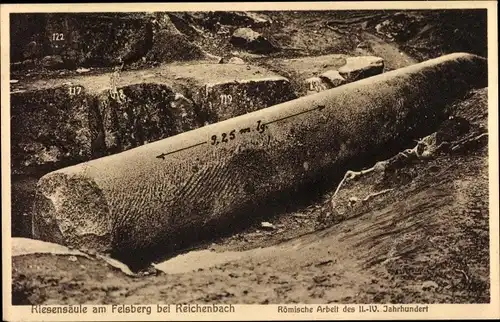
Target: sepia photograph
[(210, 158)]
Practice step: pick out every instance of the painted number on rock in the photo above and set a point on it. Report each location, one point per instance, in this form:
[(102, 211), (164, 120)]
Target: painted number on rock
[(57, 36), (74, 90), (226, 99), (316, 85), (117, 95)]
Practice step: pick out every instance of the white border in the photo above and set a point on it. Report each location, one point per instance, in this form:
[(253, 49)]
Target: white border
[(260, 312)]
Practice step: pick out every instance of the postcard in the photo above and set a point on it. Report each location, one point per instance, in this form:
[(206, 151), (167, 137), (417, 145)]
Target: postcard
[(250, 161)]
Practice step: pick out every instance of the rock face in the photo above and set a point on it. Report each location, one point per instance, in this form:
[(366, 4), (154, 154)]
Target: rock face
[(334, 78), (68, 41), (327, 80), (319, 73), (51, 127), (78, 39), (252, 41), (140, 113), (171, 46), (307, 71), (236, 60), (235, 18), (222, 91), (53, 62), (133, 204), (26, 40), (69, 120), (360, 67), (65, 121), (317, 84)]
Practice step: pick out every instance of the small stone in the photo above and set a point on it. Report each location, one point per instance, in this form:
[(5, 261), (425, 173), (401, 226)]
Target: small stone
[(252, 41), (72, 258), (52, 62), (334, 78), (353, 200), (267, 225), (14, 81), (360, 67), (428, 285), (32, 50), (236, 61), (259, 20), (363, 45), (82, 70)]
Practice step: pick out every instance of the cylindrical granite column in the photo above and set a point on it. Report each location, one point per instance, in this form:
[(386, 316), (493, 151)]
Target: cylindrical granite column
[(135, 203)]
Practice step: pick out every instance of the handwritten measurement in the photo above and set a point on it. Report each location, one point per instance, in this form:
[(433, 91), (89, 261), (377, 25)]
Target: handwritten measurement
[(163, 155), (226, 137), (214, 139)]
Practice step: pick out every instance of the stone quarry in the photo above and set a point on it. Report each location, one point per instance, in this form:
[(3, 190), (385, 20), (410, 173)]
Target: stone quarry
[(198, 156)]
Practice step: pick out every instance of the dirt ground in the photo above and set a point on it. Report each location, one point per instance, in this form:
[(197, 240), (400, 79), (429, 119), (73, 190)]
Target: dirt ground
[(426, 241)]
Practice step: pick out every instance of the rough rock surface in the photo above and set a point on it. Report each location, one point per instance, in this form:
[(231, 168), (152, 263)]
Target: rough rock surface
[(139, 107), (233, 18), (251, 40), (303, 71), (327, 80), (116, 215), (334, 78), (169, 46), (67, 35), (361, 67), (317, 84), (236, 60), (52, 127), (69, 41), (64, 121), (53, 62), (315, 74)]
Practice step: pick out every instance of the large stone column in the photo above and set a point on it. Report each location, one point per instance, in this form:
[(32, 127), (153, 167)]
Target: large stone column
[(142, 201)]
